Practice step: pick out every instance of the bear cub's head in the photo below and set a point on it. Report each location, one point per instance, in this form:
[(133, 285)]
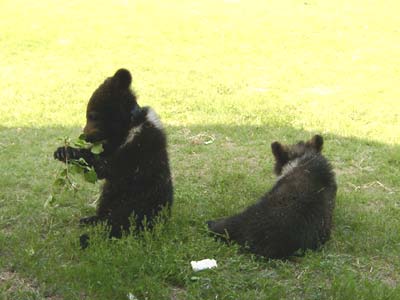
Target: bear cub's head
[(286, 153), (109, 109)]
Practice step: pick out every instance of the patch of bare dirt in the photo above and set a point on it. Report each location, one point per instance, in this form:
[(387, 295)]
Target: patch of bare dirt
[(12, 283)]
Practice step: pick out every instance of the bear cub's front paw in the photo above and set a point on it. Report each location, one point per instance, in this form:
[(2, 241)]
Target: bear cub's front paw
[(64, 153)]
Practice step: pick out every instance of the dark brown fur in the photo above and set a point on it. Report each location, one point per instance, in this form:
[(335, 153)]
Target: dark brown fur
[(296, 214), (134, 163)]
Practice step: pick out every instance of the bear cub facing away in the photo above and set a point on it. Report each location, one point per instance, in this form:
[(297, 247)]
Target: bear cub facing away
[(134, 162), (296, 214)]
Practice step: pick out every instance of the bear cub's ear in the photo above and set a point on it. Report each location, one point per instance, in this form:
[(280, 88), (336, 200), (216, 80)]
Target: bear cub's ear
[(279, 152), (317, 142), (122, 78)]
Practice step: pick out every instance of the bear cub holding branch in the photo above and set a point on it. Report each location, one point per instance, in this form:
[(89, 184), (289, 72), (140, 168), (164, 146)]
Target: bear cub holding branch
[(296, 214), (134, 162)]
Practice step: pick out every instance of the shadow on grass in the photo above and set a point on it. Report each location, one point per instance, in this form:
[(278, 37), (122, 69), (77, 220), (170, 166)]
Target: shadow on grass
[(218, 170)]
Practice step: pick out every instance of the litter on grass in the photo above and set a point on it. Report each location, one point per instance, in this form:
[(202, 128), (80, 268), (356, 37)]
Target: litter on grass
[(131, 296), (203, 264)]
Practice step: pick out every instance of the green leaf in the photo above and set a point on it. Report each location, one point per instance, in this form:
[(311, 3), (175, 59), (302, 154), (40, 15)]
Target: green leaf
[(97, 148), (91, 176), (76, 169), (49, 201), (60, 181), (82, 161), (81, 143)]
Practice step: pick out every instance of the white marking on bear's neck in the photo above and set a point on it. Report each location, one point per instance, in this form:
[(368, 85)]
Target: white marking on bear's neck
[(134, 131), (153, 118), (289, 167), (293, 164)]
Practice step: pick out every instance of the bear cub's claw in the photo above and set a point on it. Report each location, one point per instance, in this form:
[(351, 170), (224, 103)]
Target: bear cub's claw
[(64, 153)]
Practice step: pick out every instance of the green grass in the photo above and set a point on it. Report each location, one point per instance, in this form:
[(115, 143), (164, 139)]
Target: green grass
[(245, 73)]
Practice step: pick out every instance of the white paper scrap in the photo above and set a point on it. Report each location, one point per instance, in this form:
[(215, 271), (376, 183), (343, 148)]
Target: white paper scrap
[(203, 264), (132, 296)]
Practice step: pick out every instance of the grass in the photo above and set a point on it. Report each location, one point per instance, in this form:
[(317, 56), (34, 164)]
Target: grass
[(242, 73)]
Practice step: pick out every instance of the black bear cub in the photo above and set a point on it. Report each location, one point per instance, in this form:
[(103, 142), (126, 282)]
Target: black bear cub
[(134, 162), (296, 214)]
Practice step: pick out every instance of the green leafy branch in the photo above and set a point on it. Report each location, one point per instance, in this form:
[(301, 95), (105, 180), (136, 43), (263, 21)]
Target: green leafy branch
[(66, 177)]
